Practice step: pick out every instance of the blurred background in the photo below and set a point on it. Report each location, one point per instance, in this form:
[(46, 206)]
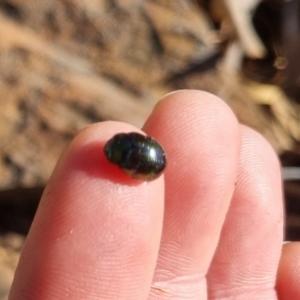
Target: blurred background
[(65, 64)]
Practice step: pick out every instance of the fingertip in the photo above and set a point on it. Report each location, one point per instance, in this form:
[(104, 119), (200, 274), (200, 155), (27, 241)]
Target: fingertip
[(184, 113), (86, 152), (254, 141), (185, 99)]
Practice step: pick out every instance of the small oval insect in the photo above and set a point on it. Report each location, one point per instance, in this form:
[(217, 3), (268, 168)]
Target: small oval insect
[(137, 155)]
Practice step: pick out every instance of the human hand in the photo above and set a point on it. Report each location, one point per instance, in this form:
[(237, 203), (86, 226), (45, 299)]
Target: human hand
[(210, 228)]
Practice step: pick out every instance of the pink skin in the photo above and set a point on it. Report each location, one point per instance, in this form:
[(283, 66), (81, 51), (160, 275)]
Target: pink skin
[(210, 228)]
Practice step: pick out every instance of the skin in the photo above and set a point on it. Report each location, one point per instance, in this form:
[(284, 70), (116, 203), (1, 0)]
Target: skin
[(210, 228)]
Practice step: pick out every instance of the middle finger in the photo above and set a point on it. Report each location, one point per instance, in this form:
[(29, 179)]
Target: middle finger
[(202, 140)]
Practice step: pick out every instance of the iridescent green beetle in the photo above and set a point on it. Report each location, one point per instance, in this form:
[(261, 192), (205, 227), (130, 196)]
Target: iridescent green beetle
[(137, 155)]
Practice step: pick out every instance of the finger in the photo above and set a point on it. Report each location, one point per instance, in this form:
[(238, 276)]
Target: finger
[(201, 137), (245, 264), (288, 280), (96, 233)]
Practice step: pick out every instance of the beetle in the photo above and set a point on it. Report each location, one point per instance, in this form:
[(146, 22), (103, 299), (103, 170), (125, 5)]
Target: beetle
[(139, 156)]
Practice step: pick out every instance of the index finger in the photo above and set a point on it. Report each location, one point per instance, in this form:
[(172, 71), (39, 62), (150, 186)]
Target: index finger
[(96, 232)]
